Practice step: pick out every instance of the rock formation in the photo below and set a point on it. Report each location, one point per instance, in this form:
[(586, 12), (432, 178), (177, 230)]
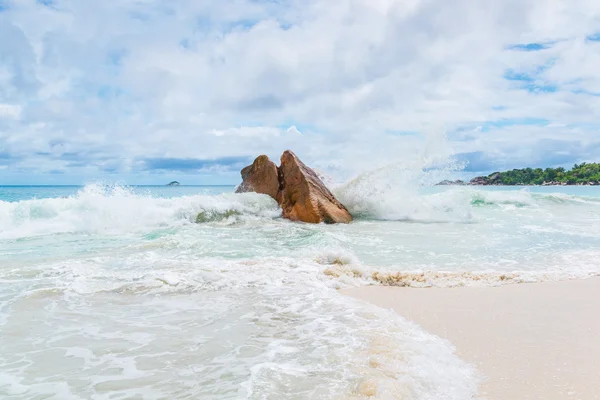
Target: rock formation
[(479, 180), (260, 177), (304, 197), (296, 188)]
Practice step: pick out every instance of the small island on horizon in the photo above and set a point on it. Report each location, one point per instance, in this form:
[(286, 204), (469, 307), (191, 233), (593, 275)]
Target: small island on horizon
[(174, 183), (584, 174)]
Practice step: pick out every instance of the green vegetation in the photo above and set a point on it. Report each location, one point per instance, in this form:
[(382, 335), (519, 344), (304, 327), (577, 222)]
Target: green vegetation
[(580, 174)]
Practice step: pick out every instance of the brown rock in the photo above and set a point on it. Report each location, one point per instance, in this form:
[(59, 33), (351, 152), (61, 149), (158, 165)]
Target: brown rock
[(304, 197), (260, 177), (479, 180)]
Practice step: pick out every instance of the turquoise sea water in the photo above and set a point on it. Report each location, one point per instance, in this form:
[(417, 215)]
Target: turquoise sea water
[(18, 193), (110, 292)]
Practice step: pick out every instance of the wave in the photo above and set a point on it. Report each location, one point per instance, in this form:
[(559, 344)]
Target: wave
[(320, 344), (367, 199), (526, 198), (406, 191), (115, 209), (402, 203), (141, 270)]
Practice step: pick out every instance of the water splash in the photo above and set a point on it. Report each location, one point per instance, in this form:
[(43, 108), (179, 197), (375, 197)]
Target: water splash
[(116, 209)]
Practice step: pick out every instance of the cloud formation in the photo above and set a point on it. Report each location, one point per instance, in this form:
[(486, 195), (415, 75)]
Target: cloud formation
[(134, 88)]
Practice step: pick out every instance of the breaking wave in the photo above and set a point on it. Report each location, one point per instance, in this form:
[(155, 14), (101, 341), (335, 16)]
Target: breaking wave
[(404, 192), (115, 209), (447, 204)]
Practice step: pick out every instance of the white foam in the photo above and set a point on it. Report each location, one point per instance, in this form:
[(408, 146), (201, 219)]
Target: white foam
[(567, 266), (142, 300), (98, 209), (266, 327)]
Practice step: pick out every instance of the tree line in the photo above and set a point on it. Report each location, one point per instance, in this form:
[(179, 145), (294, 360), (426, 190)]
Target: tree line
[(583, 173)]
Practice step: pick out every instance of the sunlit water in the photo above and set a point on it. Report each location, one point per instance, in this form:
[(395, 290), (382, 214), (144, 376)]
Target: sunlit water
[(116, 293)]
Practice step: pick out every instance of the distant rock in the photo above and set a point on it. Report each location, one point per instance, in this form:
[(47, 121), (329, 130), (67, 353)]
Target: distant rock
[(260, 177), (493, 179), (554, 183), (174, 183), (479, 180), (299, 191), (451, 183), (304, 197)]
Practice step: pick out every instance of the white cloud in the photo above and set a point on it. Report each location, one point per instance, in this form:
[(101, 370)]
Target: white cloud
[(292, 130), (248, 131), (10, 111), (98, 86)]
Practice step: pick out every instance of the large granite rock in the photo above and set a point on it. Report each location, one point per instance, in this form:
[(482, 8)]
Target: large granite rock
[(297, 188), (260, 177), (304, 197)]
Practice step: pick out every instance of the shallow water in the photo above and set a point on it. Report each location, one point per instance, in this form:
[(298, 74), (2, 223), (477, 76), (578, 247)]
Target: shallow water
[(116, 293)]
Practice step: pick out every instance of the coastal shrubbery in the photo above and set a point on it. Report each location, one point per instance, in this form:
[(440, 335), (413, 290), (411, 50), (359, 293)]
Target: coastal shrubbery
[(584, 173)]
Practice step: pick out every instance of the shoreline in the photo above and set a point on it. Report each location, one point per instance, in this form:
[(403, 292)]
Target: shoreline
[(529, 341)]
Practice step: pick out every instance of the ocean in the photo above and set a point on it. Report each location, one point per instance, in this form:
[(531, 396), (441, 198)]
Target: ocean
[(113, 292)]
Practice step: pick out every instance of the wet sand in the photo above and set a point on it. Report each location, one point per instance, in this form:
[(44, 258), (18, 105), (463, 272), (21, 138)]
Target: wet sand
[(537, 341)]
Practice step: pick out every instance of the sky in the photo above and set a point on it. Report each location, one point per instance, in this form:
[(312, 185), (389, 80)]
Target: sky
[(149, 91)]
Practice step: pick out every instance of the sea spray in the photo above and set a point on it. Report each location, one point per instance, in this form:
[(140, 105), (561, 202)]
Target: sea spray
[(393, 194), (392, 191)]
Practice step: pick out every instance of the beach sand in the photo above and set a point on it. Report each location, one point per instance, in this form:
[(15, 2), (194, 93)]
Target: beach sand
[(529, 341)]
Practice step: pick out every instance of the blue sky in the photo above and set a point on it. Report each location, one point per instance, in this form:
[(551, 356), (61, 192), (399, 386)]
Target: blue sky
[(150, 91)]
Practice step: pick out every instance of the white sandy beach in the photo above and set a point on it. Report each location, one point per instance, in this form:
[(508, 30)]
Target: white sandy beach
[(529, 341)]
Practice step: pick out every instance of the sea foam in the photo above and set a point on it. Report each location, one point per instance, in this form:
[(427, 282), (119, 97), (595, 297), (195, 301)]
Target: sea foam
[(111, 292), (115, 209)]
